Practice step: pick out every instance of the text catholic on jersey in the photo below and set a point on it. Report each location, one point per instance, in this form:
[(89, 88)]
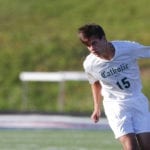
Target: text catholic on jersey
[(114, 71)]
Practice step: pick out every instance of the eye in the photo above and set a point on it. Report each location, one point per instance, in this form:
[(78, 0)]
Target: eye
[(94, 43)]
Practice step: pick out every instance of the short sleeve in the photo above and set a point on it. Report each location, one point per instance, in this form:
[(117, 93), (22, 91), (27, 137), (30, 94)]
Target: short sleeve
[(87, 65), (91, 78), (141, 51)]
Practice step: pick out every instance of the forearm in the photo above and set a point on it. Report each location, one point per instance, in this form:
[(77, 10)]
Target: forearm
[(97, 98)]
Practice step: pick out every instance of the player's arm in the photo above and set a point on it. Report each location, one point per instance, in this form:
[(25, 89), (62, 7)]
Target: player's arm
[(97, 99)]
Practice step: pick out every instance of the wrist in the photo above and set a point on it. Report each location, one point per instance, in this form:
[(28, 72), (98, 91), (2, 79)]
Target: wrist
[(96, 107)]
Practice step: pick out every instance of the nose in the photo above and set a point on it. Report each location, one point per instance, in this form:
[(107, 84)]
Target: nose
[(92, 48)]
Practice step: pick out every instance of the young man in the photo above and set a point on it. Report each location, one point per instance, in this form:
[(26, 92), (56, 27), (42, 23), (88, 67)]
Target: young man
[(113, 73)]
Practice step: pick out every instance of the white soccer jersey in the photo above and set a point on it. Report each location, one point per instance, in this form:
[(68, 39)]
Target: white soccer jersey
[(119, 77)]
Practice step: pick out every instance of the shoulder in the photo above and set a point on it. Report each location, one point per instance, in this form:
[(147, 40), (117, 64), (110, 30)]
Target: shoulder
[(125, 47), (125, 43)]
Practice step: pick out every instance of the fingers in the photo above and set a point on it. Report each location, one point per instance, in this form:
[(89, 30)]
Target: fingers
[(95, 117)]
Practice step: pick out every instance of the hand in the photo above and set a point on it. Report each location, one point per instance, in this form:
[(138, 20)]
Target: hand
[(96, 115)]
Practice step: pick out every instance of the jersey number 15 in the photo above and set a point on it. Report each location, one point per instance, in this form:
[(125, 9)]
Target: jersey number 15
[(123, 83)]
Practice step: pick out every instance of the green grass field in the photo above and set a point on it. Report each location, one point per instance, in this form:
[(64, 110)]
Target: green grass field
[(57, 140)]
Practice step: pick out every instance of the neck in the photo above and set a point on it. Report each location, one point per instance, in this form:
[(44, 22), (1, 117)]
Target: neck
[(109, 52)]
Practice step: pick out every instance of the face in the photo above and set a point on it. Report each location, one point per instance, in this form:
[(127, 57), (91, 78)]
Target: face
[(95, 45)]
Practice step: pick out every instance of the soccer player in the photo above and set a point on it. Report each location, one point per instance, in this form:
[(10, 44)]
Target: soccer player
[(113, 73)]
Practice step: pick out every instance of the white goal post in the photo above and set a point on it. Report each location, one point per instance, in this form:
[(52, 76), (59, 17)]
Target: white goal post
[(61, 77), (53, 76)]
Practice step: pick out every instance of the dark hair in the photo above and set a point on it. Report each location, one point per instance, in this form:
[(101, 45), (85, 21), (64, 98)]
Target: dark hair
[(89, 30)]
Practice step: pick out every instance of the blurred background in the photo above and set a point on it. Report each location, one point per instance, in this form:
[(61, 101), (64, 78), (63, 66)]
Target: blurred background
[(41, 36)]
